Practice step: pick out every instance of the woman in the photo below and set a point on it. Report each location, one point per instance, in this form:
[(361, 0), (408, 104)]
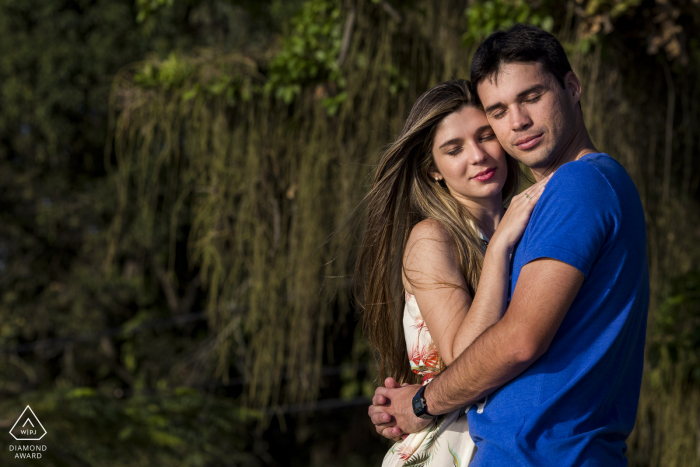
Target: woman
[(437, 198)]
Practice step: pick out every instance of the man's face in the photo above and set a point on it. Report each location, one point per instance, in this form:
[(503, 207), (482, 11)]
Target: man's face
[(533, 117)]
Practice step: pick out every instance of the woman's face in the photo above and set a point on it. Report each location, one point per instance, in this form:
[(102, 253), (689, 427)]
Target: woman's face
[(468, 156)]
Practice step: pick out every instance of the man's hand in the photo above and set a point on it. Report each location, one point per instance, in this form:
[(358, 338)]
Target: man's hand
[(392, 410)]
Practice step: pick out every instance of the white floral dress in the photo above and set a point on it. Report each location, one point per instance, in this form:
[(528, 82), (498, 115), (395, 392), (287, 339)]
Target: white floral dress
[(445, 441)]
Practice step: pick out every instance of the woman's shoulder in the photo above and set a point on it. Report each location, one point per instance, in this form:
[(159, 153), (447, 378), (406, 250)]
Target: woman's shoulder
[(429, 229), (429, 241), (430, 256)]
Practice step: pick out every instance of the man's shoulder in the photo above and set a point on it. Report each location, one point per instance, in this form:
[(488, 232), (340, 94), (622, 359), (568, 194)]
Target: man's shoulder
[(579, 203), (594, 167), (584, 206), (593, 176)]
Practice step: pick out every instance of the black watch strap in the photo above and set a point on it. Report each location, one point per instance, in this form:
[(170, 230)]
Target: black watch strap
[(420, 408)]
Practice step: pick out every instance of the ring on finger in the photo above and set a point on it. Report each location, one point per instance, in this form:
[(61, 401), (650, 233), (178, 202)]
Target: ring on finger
[(528, 196)]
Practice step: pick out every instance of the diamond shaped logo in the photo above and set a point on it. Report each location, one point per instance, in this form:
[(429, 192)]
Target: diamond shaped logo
[(28, 427)]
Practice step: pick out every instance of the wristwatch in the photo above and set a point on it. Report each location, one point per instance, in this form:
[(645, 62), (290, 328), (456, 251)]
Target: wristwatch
[(420, 408)]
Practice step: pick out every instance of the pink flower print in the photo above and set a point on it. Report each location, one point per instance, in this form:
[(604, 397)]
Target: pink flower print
[(431, 356), (415, 358), (408, 296), (405, 451), (424, 359), (418, 323)]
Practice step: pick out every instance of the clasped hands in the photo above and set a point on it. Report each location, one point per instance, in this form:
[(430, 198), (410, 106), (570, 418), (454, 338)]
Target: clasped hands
[(392, 410)]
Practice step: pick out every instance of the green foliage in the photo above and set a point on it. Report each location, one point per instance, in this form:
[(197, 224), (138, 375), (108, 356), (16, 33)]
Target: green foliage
[(148, 7), (233, 78), (398, 81), (171, 73), (613, 8), (59, 60), (353, 385), (483, 18), (56, 55), (181, 427), (309, 53), (676, 331)]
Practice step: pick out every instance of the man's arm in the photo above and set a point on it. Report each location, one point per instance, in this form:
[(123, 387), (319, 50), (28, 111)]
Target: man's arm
[(542, 297)]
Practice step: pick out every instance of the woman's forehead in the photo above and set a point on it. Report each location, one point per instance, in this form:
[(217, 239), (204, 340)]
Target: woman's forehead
[(464, 121)]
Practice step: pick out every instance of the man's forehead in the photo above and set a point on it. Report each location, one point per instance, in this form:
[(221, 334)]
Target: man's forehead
[(510, 77)]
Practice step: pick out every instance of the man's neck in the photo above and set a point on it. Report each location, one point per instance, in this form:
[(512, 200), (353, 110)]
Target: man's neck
[(577, 147)]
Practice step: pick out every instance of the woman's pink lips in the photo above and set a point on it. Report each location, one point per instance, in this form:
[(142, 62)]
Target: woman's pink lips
[(485, 175), (530, 142)]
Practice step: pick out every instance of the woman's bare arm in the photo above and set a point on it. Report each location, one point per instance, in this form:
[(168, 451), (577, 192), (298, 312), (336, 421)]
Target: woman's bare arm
[(490, 301), (432, 274)]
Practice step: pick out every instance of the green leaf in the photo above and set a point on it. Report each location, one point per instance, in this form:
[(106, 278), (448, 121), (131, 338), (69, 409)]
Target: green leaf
[(81, 393), (419, 460), (547, 23), (456, 461)]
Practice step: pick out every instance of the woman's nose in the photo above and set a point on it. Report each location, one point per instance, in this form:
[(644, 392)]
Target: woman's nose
[(478, 154)]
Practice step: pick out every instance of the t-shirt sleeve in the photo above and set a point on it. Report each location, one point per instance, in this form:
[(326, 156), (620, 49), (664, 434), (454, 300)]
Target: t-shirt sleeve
[(573, 218)]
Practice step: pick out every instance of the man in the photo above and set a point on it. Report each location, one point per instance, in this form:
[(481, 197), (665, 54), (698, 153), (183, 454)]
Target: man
[(561, 371)]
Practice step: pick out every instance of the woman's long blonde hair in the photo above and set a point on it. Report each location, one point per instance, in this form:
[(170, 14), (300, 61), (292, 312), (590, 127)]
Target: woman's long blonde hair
[(403, 194)]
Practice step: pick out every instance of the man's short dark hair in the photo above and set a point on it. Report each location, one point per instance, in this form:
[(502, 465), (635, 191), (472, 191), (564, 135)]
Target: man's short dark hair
[(521, 43)]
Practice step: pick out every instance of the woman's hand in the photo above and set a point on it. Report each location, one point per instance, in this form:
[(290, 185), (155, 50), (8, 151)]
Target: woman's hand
[(516, 218), (392, 410)]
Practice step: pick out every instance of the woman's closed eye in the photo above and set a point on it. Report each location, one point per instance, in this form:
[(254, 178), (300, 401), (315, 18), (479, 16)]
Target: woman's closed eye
[(454, 151)]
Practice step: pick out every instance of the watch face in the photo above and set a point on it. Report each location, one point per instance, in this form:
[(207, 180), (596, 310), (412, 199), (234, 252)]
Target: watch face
[(417, 405)]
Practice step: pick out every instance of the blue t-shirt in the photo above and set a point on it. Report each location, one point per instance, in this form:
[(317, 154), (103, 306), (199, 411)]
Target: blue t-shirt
[(577, 403)]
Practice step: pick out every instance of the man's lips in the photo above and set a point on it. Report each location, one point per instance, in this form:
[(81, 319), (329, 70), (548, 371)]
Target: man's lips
[(528, 141), (485, 175)]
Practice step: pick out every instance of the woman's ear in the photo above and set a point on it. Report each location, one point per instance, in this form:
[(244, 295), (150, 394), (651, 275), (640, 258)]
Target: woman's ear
[(434, 174)]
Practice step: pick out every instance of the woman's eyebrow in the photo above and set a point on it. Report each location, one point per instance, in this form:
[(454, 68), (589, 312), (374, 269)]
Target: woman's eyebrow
[(452, 141)]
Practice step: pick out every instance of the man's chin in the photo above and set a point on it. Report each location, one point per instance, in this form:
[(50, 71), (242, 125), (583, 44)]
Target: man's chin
[(534, 159)]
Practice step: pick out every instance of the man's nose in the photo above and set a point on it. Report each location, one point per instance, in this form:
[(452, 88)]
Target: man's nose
[(520, 120)]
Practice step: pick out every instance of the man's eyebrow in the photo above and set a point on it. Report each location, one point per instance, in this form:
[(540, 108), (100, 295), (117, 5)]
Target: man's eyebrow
[(530, 90), (493, 107), (452, 141)]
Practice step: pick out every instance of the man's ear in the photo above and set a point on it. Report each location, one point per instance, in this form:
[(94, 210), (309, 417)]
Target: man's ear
[(572, 85)]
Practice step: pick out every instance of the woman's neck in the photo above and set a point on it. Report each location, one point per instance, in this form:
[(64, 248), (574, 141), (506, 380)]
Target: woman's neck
[(487, 212)]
